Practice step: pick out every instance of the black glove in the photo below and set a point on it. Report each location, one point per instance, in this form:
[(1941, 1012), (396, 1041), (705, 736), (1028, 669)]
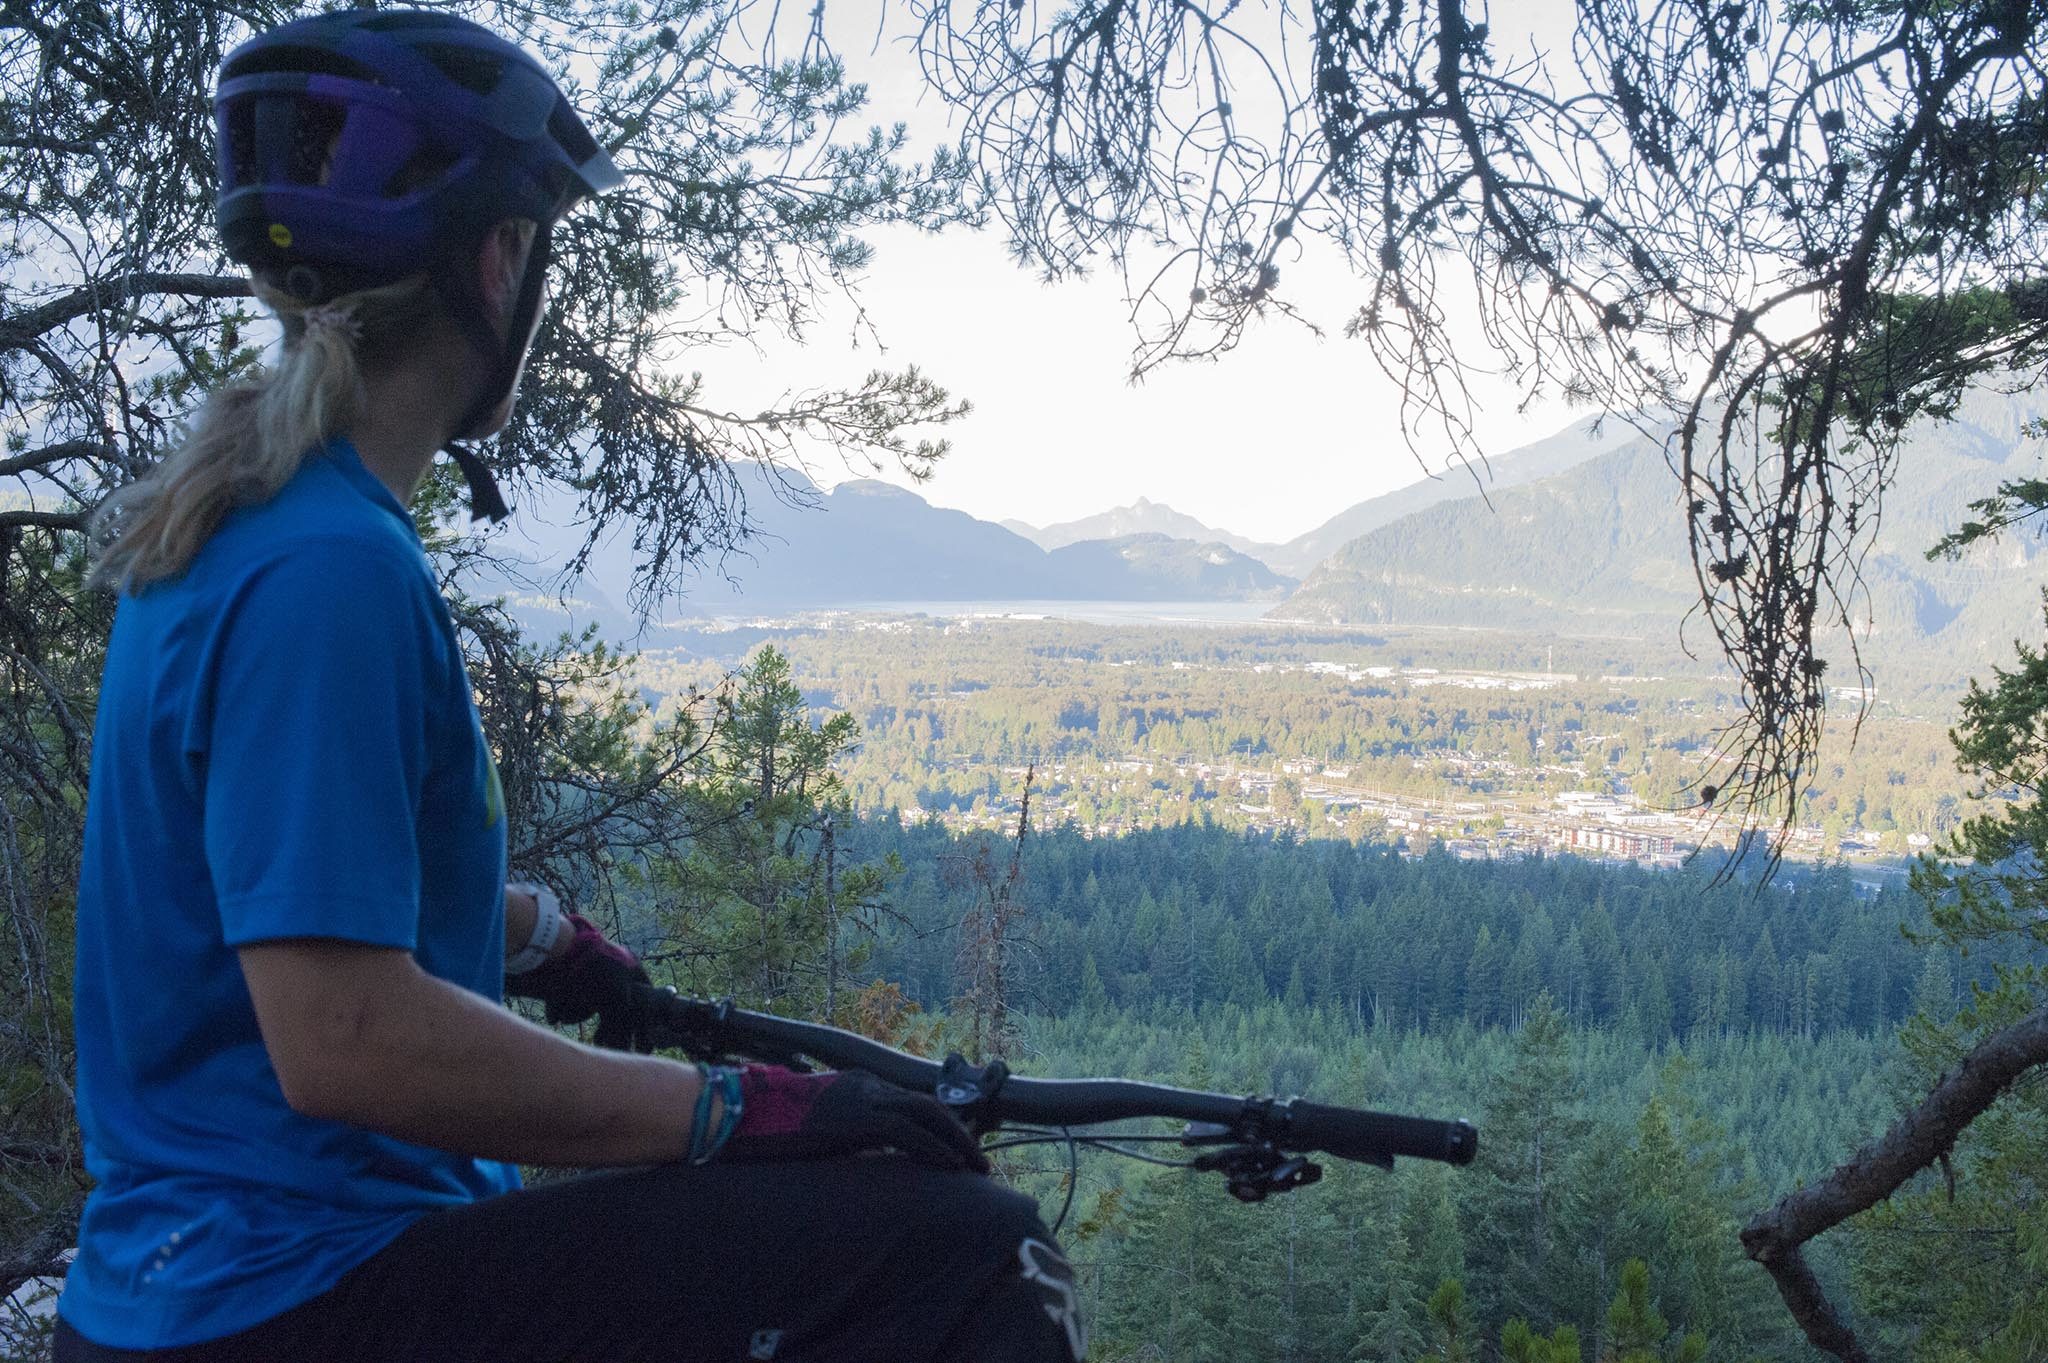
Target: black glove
[(789, 1116), (594, 977)]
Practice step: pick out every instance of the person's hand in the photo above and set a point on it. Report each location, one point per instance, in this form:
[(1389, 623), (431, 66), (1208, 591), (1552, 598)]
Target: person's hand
[(594, 977), (786, 1116)]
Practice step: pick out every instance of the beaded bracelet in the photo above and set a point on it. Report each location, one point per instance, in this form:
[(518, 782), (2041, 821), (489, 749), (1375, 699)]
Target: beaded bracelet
[(724, 1081), (700, 1120)]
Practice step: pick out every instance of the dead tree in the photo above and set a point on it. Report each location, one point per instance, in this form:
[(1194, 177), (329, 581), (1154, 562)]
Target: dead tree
[(990, 937)]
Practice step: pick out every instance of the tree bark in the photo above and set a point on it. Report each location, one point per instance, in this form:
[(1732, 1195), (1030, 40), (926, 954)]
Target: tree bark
[(1915, 1141), (42, 458)]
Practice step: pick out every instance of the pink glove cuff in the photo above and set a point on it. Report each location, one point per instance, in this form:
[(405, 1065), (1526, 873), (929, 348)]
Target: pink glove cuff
[(778, 1100)]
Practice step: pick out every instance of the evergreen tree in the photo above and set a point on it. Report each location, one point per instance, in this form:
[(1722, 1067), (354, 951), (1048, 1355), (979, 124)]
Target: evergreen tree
[(1435, 1240), (1485, 973), (1564, 1345), (1520, 1344), (1173, 1282), (1959, 1265), (762, 906), (1386, 1314), (1532, 1126), (1635, 1328), (1451, 1326)]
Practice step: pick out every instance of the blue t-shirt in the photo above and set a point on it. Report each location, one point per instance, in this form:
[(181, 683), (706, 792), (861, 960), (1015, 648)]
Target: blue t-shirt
[(286, 747)]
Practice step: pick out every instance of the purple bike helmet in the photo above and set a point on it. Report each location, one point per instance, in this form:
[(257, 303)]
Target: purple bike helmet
[(362, 146)]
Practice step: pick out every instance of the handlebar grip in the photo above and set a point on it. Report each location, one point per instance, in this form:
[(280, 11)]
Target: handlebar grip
[(1372, 1136)]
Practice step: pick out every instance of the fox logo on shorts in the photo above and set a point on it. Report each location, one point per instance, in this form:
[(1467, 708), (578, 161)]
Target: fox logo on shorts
[(1044, 1269)]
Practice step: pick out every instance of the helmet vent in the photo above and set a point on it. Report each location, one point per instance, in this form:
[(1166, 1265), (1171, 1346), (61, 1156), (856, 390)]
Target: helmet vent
[(478, 72), (311, 61), (426, 166), (281, 139)]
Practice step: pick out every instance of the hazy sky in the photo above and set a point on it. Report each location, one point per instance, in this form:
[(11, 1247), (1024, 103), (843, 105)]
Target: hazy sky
[(1269, 442)]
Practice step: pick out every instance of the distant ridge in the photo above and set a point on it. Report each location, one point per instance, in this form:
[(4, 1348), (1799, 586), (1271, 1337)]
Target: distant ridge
[(1601, 548), (1142, 517), (1554, 454), (869, 542)]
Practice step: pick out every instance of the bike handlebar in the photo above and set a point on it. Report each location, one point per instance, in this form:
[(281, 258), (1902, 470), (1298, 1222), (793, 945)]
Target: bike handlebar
[(719, 1031)]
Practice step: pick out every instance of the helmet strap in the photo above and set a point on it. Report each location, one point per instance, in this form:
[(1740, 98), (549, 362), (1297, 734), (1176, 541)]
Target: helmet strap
[(507, 353), (486, 499)]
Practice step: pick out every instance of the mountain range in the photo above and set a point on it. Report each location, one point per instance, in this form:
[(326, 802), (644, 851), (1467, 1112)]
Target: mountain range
[(1142, 517), (1600, 548), (1578, 533), (866, 542), (1545, 458)]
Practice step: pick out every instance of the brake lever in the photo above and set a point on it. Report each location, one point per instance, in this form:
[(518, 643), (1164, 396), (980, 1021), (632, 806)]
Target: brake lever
[(1255, 1172), (1253, 1169)]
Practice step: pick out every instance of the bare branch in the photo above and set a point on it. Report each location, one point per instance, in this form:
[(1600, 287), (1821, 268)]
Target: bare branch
[(1915, 1141), (46, 1252), (43, 458), (43, 520), (23, 328)]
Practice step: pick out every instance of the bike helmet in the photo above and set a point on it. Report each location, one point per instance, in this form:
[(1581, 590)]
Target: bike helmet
[(362, 146)]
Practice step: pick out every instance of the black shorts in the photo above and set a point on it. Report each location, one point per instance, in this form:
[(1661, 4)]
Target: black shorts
[(873, 1260)]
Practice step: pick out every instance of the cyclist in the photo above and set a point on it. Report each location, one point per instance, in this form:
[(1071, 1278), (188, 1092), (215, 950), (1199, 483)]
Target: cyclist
[(300, 1096)]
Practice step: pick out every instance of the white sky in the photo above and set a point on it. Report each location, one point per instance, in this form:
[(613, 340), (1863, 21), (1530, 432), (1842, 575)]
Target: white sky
[(1270, 442)]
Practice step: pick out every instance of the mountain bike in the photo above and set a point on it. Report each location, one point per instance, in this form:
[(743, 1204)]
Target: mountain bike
[(1260, 1145)]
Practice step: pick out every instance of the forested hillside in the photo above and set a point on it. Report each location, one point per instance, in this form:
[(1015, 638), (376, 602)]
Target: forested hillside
[(1545, 458), (1602, 548), (1188, 916), (1649, 1057)]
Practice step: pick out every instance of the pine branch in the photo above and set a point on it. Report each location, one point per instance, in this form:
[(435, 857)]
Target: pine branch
[(34, 460), (43, 520), (1916, 1140), (23, 328)]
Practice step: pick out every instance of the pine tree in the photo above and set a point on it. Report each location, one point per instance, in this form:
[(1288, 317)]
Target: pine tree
[(1094, 997), (1960, 1264), (1680, 1204), (1635, 1328), (1520, 1344), (1484, 973), (759, 907), (1532, 1125), (1564, 1345), (1173, 1282), (1451, 1327), (1387, 1310)]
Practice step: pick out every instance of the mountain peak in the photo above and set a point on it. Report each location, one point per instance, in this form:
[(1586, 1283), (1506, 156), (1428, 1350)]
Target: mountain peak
[(1142, 517), (873, 487)]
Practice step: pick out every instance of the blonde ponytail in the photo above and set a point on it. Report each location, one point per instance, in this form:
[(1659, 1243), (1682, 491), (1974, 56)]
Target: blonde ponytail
[(249, 438)]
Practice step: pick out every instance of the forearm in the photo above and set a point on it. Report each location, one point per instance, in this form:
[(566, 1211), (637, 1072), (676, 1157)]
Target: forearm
[(418, 1058)]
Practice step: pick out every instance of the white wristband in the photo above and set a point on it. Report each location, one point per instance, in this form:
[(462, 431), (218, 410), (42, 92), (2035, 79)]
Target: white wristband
[(547, 926)]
